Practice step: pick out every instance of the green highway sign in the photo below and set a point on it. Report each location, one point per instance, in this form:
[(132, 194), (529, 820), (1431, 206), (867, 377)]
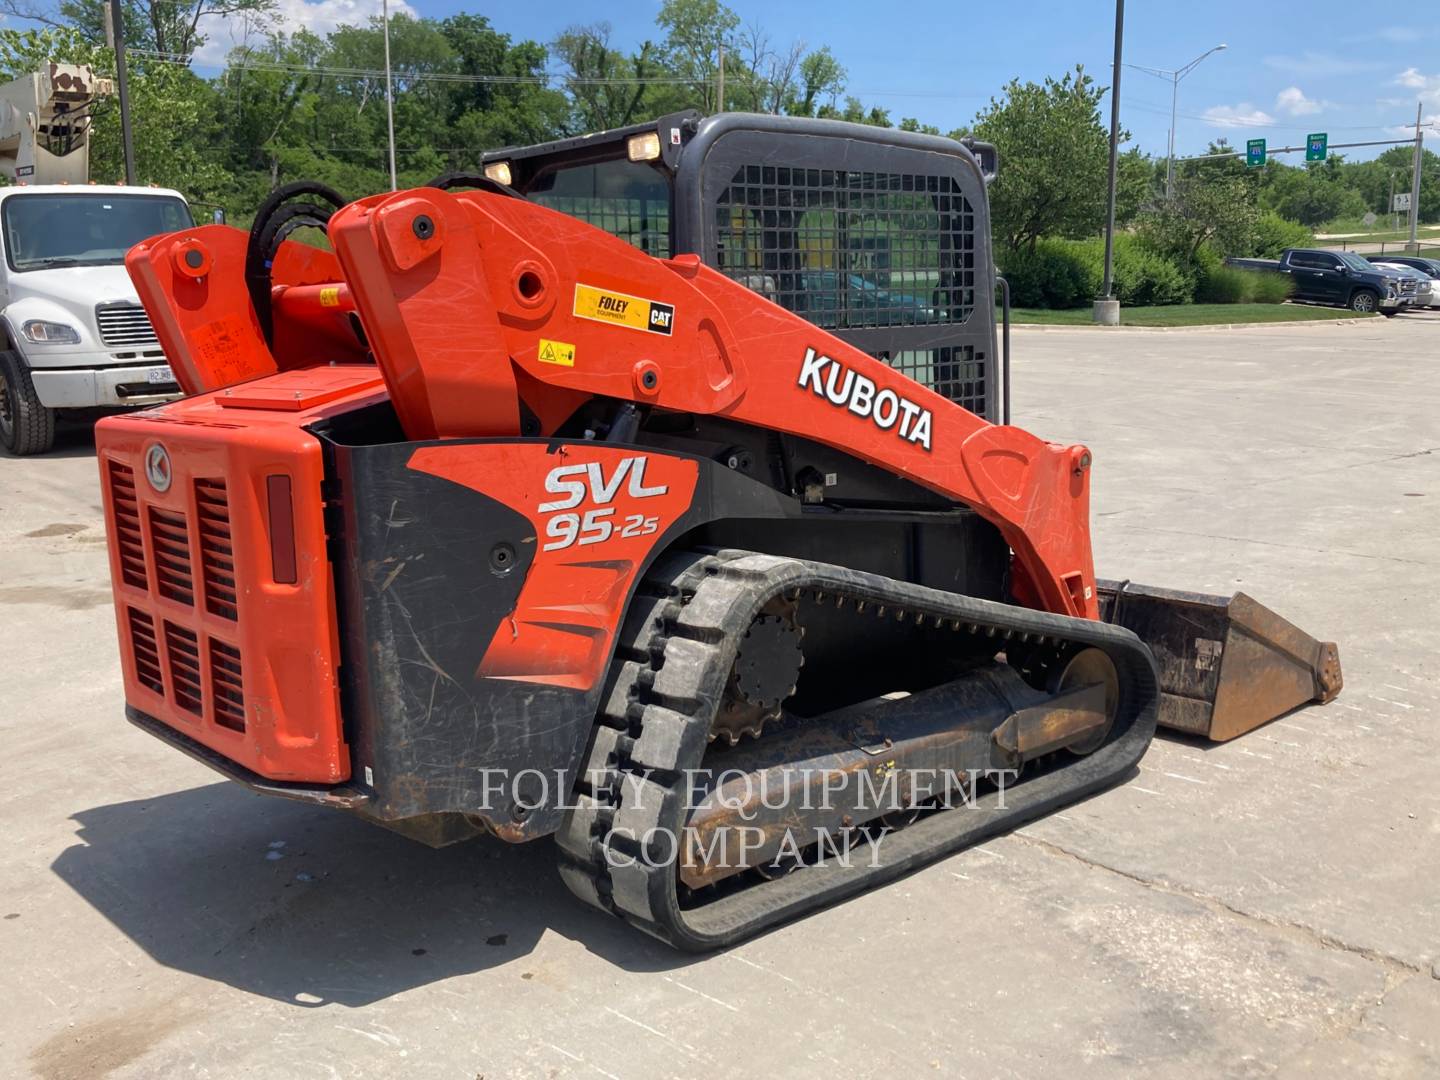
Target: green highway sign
[(1255, 153), (1316, 145)]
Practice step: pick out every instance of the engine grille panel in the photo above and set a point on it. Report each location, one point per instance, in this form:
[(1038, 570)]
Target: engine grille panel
[(170, 544), (146, 650), (124, 326), (182, 649), (217, 555), (128, 543), (212, 647), (227, 686)]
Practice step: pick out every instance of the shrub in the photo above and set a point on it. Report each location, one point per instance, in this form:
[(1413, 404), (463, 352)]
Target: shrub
[(1070, 273), (1222, 285), (1273, 234), (1228, 285), (1052, 275), (1270, 288)]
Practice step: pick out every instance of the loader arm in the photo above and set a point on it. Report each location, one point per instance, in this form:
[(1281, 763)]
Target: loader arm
[(476, 304)]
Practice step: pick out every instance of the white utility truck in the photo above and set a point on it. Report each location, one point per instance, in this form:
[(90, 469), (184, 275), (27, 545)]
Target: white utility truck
[(75, 335)]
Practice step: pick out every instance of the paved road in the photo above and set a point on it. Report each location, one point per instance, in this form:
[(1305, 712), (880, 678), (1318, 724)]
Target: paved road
[(1267, 907)]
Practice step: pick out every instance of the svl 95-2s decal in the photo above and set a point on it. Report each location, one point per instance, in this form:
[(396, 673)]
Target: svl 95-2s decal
[(588, 482)]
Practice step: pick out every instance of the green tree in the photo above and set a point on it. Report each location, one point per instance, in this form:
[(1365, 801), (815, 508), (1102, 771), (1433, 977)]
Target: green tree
[(695, 33), (821, 80), (1135, 186), (487, 115), (1054, 154), (1215, 211), (171, 27), (909, 123), (606, 88), (1311, 195)]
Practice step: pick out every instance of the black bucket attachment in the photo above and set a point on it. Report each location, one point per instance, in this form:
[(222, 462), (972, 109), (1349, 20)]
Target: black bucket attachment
[(1227, 664)]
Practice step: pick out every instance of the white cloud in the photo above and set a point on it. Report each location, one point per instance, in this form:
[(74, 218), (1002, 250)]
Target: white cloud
[(1399, 35), (1243, 115), (1292, 101), (1425, 87), (226, 32), (1430, 122), (1312, 64)]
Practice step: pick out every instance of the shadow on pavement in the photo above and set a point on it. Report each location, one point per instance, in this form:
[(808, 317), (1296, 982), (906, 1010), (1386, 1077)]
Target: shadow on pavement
[(312, 907)]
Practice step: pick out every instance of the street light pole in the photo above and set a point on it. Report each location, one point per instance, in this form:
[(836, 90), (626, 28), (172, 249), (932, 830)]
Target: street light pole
[(1414, 245), (1170, 153), (1106, 307), (1175, 76), (389, 95)]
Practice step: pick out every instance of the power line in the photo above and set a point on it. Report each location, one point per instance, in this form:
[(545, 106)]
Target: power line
[(543, 79)]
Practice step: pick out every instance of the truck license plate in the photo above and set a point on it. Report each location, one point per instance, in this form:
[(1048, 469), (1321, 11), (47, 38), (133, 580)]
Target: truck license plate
[(160, 375)]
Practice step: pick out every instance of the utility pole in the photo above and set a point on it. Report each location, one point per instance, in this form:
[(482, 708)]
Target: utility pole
[(1107, 308), (720, 92), (389, 94), (116, 35), (1414, 246)]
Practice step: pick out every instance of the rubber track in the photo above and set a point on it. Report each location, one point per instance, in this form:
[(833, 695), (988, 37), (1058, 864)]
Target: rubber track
[(676, 650)]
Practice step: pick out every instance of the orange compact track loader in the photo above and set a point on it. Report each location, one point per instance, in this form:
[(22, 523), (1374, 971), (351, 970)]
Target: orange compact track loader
[(654, 491)]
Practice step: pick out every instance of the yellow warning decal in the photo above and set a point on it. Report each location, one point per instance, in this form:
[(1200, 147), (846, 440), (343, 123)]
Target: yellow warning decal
[(330, 296), (556, 352), (619, 309)]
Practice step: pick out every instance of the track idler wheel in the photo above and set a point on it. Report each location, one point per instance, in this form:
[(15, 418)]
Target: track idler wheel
[(1087, 668)]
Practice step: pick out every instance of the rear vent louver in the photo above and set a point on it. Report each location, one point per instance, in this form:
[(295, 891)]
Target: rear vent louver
[(147, 652), (182, 648), (217, 556), (170, 541), (128, 543), (225, 686)]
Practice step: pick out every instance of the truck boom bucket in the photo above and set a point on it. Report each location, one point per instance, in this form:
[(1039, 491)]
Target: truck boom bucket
[(1227, 664)]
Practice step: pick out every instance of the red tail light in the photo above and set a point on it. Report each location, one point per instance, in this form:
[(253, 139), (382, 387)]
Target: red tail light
[(282, 530)]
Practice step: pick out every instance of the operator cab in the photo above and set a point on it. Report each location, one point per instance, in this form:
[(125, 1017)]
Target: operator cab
[(880, 237)]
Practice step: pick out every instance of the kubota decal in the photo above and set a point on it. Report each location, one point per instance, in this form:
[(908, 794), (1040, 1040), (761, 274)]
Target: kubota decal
[(848, 389)]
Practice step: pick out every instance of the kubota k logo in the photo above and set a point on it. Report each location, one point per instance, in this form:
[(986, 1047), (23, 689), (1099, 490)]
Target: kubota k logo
[(157, 467)]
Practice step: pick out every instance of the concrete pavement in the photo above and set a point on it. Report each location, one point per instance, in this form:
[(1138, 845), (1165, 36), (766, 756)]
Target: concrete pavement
[(1266, 907)]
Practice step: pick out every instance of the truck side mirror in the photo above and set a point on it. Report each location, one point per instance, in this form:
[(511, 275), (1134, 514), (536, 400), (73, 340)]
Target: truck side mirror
[(218, 216)]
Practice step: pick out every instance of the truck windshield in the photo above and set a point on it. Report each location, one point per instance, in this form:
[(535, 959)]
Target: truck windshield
[(85, 228), (1355, 262)]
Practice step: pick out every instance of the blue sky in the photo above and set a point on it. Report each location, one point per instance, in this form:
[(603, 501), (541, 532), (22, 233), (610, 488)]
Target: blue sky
[(1291, 68)]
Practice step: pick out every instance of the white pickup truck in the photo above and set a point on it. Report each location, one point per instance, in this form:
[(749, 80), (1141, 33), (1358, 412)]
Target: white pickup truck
[(75, 334)]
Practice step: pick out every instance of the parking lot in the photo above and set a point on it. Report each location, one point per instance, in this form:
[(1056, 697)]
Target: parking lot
[(1259, 908)]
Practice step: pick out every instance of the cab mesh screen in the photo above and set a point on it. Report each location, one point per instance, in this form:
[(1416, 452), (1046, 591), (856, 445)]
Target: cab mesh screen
[(851, 250)]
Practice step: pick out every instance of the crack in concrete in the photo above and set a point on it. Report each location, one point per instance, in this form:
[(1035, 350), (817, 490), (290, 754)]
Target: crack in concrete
[(1394, 965), (1278, 544)]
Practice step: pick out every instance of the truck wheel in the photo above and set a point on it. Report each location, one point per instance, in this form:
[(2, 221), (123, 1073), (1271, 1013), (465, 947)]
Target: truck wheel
[(26, 426), (1364, 300)]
